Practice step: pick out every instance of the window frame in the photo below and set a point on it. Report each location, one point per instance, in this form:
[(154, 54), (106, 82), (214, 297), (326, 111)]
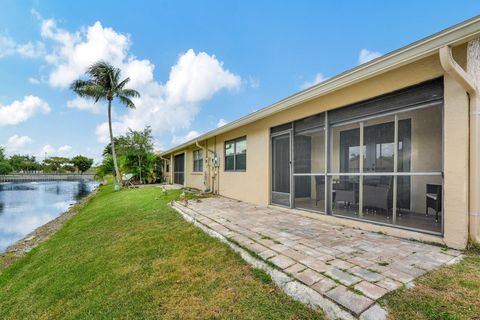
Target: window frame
[(235, 154), (197, 162)]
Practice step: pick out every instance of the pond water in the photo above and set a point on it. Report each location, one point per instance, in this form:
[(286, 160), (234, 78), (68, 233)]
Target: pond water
[(24, 206)]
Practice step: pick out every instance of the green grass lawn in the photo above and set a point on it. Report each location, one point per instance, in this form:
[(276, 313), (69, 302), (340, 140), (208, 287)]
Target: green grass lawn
[(448, 293), (127, 255)]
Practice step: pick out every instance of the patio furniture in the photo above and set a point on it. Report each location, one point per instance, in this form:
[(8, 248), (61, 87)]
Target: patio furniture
[(377, 193), (320, 189), (434, 199), (127, 181), (347, 192)]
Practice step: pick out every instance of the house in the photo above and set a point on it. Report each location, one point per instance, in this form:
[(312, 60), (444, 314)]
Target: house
[(390, 146)]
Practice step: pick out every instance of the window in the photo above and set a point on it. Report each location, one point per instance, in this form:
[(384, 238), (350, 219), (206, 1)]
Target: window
[(236, 154), (198, 160)]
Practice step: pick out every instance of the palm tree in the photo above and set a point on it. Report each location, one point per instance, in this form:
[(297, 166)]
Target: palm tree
[(104, 84)]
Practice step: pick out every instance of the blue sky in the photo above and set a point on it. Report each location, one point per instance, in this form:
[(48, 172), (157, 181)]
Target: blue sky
[(197, 64)]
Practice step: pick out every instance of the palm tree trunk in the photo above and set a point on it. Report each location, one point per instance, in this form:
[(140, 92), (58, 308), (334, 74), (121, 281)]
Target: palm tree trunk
[(118, 179)]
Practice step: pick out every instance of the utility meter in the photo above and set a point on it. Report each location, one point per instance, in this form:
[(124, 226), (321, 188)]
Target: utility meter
[(215, 161)]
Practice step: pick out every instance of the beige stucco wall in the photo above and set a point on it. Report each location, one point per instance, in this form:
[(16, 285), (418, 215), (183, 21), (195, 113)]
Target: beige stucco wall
[(253, 185), (455, 164), (193, 179)]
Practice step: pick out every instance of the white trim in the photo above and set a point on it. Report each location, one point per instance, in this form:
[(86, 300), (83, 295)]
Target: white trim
[(384, 174), (455, 35), (389, 173)]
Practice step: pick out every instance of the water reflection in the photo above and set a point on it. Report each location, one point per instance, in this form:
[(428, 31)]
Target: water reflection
[(28, 205)]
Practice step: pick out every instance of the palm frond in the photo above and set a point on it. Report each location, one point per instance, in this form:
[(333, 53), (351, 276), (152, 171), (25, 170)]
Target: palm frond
[(80, 84), (131, 93), (127, 102), (122, 83), (88, 89), (105, 84), (99, 69)]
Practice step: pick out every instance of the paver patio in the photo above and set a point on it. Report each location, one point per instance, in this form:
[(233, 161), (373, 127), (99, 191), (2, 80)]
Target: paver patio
[(351, 267)]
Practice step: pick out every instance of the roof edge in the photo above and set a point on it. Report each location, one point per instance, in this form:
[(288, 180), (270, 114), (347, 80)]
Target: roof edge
[(454, 35)]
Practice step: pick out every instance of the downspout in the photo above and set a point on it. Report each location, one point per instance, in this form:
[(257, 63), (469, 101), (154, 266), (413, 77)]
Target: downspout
[(466, 80)]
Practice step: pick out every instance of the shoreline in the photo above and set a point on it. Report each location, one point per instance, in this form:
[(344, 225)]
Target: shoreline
[(42, 233)]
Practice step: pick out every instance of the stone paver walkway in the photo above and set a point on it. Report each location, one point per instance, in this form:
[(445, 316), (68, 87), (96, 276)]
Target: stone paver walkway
[(351, 267)]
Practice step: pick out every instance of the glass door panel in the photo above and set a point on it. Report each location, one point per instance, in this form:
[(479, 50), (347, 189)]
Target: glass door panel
[(179, 169), (281, 170), (379, 145)]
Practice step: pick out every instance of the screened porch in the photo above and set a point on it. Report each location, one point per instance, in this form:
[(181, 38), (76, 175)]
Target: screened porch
[(379, 160)]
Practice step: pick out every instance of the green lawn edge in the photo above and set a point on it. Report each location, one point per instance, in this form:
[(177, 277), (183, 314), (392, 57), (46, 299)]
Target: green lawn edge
[(129, 255)]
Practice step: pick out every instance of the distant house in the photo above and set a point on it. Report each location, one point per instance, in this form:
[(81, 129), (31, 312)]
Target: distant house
[(391, 145)]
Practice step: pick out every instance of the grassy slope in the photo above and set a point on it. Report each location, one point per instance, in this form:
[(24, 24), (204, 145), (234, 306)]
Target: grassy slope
[(128, 255), (448, 293)]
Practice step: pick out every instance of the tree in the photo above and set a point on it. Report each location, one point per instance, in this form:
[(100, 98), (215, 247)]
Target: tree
[(24, 163), (106, 167), (139, 146), (55, 163), (135, 155), (82, 163), (5, 167), (104, 84)]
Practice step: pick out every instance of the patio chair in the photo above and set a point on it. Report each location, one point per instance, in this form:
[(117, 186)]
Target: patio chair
[(127, 181), (434, 199), (377, 194), (347, 192), (320, 189)]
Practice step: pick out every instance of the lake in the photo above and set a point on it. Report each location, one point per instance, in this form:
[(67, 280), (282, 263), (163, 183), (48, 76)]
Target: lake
[(24, 206)]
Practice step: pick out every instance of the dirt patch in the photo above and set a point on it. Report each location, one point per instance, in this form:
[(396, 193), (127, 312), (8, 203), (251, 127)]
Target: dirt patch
[(39, 235)]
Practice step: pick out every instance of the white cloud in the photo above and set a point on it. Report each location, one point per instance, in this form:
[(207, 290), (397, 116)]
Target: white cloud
[(85, 105), (197, 77), (319, 77), (74, 52), (33, 80), (47, 150), (172, 106), (367, 55), (64, 151), (165, 107), (189, 136), (102, 131), (9, 47), (20, 111), (157, 146), (221, 122), (253, 82), (16, 143), (50, 151)]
